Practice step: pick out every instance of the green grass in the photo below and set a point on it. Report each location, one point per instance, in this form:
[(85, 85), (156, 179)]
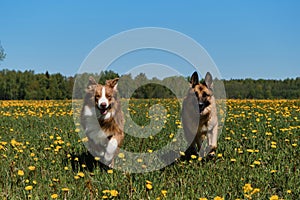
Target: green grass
[(259, 145)]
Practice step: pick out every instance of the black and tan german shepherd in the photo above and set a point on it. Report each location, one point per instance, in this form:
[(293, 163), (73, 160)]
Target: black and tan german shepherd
[(199, 116)]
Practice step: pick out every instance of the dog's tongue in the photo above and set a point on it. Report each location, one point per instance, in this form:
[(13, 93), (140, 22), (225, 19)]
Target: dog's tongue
[(103, 111)]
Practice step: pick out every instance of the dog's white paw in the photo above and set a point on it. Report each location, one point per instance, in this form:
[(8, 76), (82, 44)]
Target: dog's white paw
[(111, 149)]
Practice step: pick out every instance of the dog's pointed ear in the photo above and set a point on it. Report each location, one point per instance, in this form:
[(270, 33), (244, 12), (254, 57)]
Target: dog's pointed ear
[(91, 81), (208, 80), (194, 79), (113, 83)]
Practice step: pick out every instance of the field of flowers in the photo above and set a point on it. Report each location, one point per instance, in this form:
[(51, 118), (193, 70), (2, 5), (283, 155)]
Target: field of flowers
[(43, 157)]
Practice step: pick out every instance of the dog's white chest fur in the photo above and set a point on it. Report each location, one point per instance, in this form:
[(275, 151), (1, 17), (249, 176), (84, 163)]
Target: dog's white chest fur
[(98, 136)]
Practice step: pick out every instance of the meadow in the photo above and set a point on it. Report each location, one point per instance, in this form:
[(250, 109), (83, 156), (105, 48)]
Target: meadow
[(43, 157)]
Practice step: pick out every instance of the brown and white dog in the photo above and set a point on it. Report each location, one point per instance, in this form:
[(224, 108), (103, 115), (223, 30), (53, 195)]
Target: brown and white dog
[(199, 116), (102, 120)]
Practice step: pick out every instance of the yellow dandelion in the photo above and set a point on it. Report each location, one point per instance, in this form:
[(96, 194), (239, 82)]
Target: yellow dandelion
[(289, 191), (255, 190), (250, 150), (80, 174), (274, 197), (104, 197), (105, 191), (66, 168), (164, 193), (149, 186), (182, 153), (20, 172), (227, 138), (109, 171), (121, 155), (76, 177), (268, 133), (294, 145), (150, 150), (203, 198), (13, 142), (247, 188), (28, 188), (139, 160), (97, 158), (55, 179), (232, 160), (54, 196), (256, 162), (65, 189), (218, 198), (77, 130), (193, 156), (114, 193), (31, 168)]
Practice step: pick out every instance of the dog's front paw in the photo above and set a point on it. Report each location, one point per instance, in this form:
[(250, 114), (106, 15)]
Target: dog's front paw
[(212, 154)]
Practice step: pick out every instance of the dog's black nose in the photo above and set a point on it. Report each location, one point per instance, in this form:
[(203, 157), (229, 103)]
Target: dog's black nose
[(103, 105), (201, 106)]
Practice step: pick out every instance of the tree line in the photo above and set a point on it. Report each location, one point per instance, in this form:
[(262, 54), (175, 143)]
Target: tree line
[(17, 85)]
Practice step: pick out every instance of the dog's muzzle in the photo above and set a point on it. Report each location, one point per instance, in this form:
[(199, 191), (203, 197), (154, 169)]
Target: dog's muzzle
[(104, 109), (201, 106)]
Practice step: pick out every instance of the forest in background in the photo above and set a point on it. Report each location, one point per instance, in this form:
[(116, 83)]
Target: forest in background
[(17, 85)]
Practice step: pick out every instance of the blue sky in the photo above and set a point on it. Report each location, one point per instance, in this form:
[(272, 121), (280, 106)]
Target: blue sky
[(246, 39)]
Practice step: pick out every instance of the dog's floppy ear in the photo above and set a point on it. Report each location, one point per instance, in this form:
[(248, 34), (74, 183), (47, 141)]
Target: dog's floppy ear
[(112, 83), (208, 80), (194, 79)]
